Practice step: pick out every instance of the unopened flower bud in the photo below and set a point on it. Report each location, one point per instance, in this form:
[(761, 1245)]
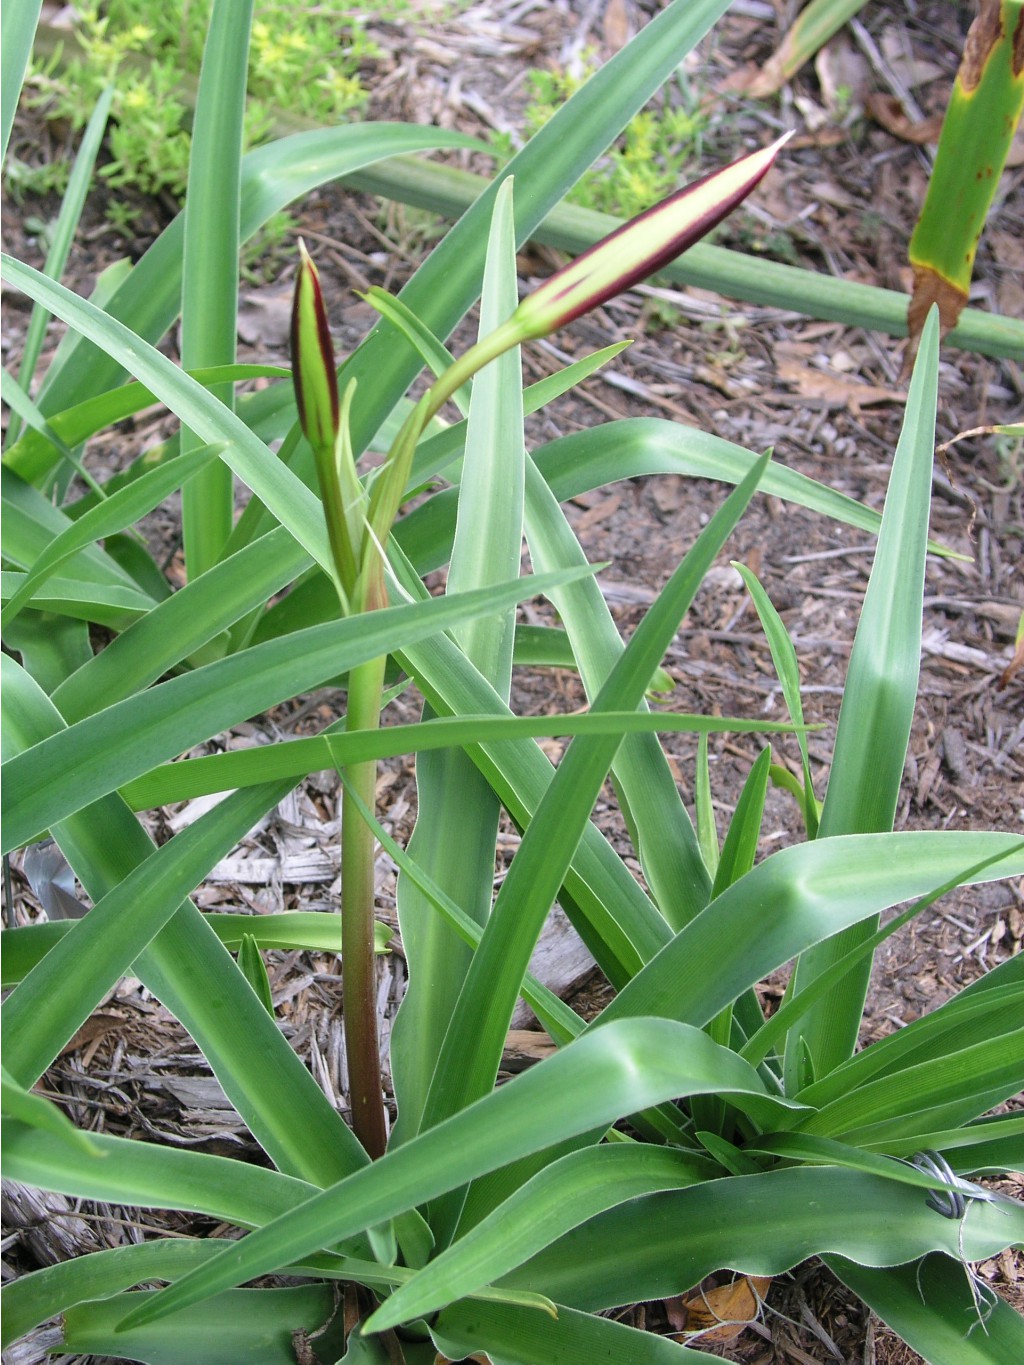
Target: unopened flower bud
[(313, 372), (642, 246)]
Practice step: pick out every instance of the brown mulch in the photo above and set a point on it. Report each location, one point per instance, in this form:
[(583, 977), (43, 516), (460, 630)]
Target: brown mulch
[(826, 397)]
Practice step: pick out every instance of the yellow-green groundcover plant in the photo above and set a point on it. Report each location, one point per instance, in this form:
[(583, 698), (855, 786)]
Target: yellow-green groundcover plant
[(679, 1133)]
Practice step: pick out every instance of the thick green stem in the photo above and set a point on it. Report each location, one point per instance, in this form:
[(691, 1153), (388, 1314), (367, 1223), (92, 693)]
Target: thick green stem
[(359, 980)]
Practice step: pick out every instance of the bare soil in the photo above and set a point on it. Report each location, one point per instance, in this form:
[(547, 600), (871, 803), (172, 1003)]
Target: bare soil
[(828, 399)]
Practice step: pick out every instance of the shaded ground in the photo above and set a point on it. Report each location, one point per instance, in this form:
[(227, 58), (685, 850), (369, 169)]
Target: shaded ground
[(826, 397)]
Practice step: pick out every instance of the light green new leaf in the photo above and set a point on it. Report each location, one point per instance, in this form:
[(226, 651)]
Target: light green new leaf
[(788, 670), (25, 411)]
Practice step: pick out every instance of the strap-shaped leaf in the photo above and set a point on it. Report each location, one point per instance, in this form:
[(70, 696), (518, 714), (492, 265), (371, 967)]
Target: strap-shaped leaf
[(585, 1086), (105, 750), (758, 1225)]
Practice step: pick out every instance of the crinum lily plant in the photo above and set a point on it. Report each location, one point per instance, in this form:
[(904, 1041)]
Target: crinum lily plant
[(681, 1132)]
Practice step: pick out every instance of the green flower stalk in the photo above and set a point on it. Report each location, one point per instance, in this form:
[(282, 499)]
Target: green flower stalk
[(359, 523), (359, 579)]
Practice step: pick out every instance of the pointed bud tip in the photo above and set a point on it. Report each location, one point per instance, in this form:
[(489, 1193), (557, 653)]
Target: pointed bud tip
[(313, 370)]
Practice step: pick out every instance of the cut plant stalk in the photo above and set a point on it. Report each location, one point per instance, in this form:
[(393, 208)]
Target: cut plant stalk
[(984, 111)]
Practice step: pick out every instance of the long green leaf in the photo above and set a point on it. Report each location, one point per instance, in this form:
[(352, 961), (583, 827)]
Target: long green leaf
[(175, 629), (472, 1051), (59, 994), (192, 777), (455, 805), (787, 669), (568, 227), (570, 1339), (585, 1086), (662, 1244), (31, 522), (965, 1082), (209, 288), (561, 1196), (659, 825), (631, 449), (110, 516), (19, 30), (39, 1115), (145, 1175), (791, 900), (31, 1299), (79, 183), (561, 1022), (187, 968), (273, 176), (764, 1040), (311, 930), (30, 455), (247, 1324), (106, 750), (877, 709), (114, 607), (969, 1017), (931, 1305)]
